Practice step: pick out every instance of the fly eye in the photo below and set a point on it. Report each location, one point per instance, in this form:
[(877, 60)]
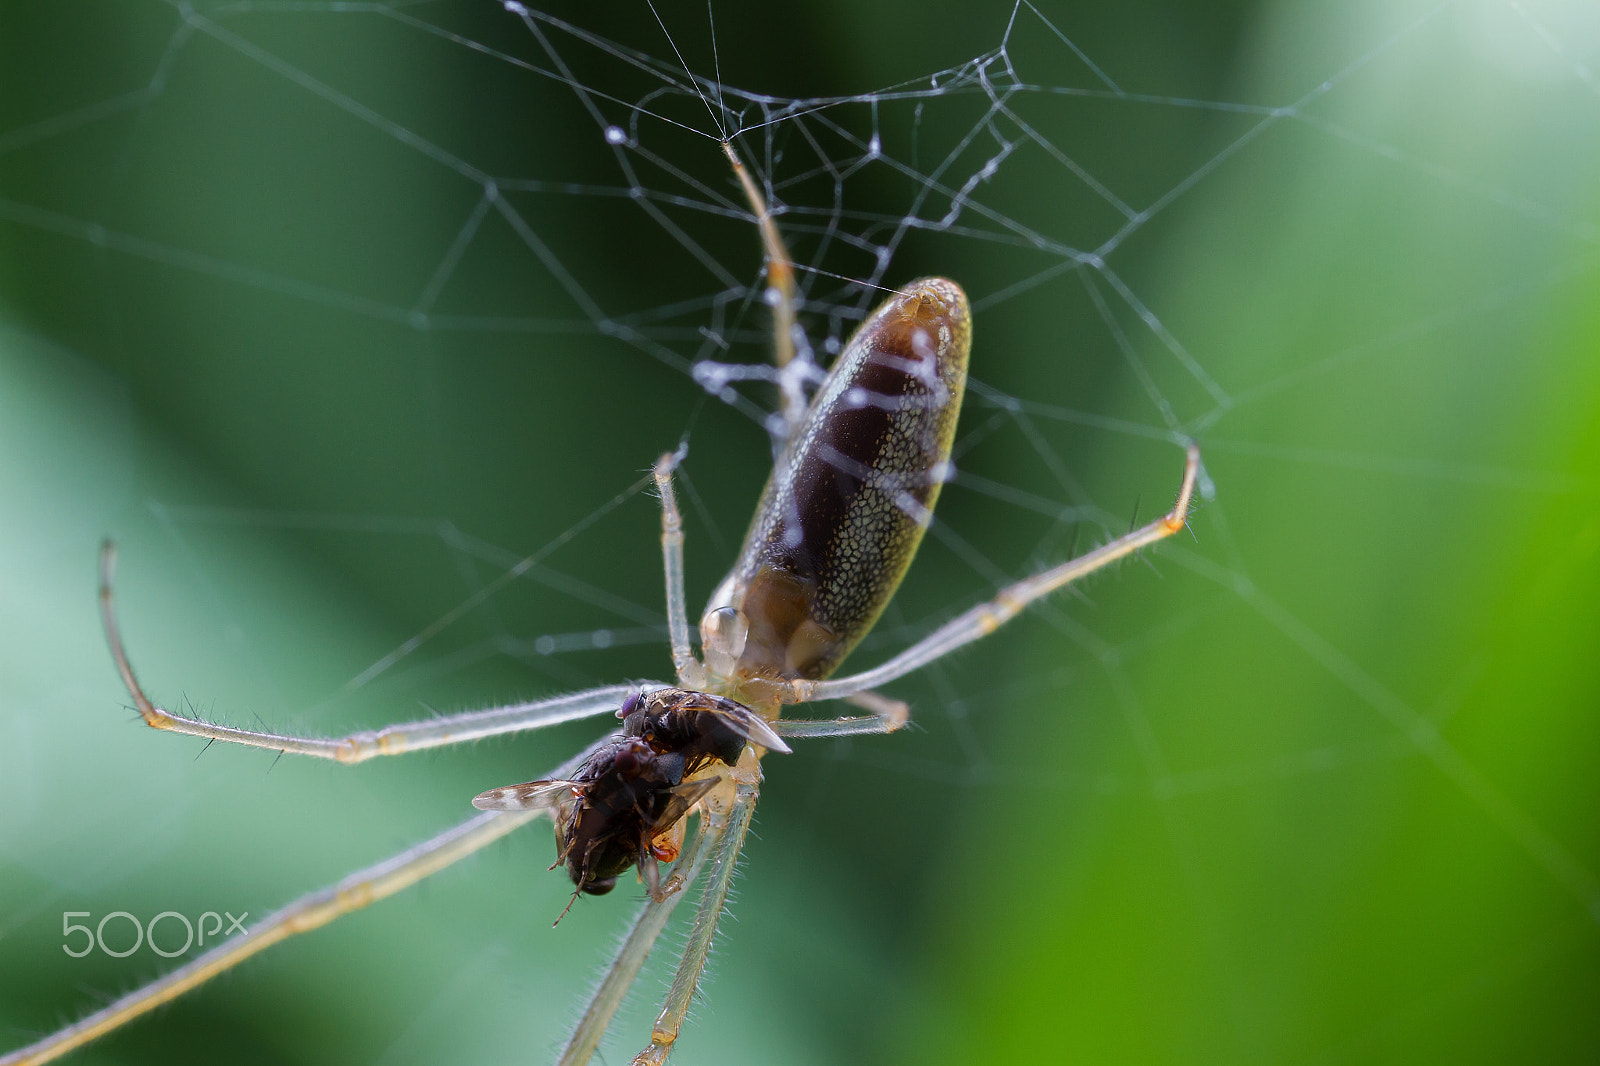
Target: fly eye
[(599, 887), (630, 704)]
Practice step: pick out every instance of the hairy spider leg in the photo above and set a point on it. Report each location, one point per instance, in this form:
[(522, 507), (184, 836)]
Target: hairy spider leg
[(782, 296), (311, 911), (725, 831), (357, 747), (641, 938), (747, 783), (719, 838), (887, 716), (988, 616), (362, 888), (689, 671)]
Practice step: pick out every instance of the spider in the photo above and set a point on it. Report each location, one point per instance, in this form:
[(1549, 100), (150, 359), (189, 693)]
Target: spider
[(851, 492)]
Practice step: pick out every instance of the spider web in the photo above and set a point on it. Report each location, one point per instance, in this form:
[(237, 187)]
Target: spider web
[(358, 324)]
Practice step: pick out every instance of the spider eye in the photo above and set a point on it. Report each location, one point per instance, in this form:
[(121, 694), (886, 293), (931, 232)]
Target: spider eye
[(599, 887)]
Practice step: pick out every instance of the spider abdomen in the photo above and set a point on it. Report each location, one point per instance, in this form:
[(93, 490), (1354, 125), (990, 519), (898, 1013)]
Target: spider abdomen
[(849, 499)]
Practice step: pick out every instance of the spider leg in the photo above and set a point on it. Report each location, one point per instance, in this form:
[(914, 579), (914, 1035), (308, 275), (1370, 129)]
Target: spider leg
[(893, 713), (630, 957), (782, 296), (311, 911), (688, 669), (985, 618), (712, 899), (887, 716), (357, 747), (303, 915)]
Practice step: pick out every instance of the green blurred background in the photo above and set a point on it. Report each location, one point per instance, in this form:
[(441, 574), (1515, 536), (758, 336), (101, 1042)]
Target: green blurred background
[(1318, 786)]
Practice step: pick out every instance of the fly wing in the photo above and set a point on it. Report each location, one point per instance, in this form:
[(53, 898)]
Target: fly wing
[(681, 798), (528, 796), (670, 722), (749, 725)]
